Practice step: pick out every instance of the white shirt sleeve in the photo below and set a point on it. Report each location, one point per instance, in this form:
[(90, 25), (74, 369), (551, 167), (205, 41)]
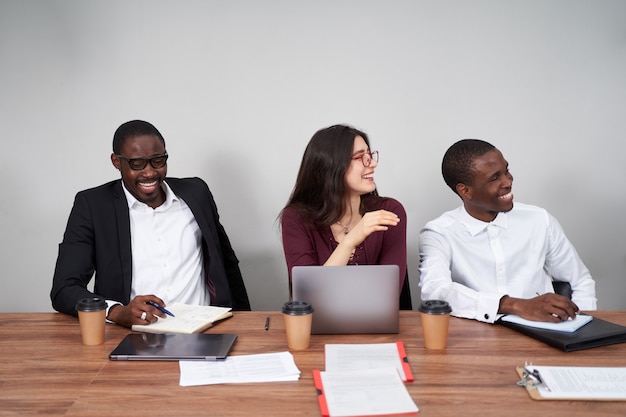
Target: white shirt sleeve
[(564, 264), (436, 282)]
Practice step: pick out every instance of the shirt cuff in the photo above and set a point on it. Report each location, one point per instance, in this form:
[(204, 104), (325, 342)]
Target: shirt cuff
[(488, 305), (111, 303)]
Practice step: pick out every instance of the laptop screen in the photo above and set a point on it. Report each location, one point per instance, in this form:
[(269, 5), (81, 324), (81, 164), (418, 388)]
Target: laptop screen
[(349, 299)]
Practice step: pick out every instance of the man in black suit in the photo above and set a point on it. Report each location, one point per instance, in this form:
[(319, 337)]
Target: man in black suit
[(148, 238)]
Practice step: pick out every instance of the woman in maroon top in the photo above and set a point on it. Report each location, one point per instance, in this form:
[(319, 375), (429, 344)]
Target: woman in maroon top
[(335, 215)]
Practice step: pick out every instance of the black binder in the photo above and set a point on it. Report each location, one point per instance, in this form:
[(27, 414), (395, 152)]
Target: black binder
[(596, 333)]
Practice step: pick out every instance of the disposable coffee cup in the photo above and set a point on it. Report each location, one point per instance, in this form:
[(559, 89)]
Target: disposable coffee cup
[(435, 319), (298, 317), (92, 318)]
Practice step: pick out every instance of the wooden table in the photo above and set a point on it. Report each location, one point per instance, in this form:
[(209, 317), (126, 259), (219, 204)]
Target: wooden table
[(46, 370)]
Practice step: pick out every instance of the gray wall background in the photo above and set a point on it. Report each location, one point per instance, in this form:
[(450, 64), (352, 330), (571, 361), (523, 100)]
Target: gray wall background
[(238, 87)]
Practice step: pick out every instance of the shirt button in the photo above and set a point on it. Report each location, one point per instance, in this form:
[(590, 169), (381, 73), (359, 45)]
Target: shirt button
[(486, 316)]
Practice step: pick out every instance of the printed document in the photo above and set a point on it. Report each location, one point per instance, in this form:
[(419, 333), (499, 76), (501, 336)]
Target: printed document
[(346, 357), (370, 392), (574, 382), (264, 367)]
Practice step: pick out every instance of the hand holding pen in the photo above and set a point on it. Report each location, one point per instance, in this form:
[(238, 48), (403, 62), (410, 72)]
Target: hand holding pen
[(162, 309), (140, 310), (548, 307)]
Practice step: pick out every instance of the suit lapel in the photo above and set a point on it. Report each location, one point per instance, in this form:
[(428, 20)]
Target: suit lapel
[(123, 231), (181, 190)]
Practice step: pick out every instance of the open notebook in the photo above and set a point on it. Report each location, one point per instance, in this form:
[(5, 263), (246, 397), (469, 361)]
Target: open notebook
[(187, 319)]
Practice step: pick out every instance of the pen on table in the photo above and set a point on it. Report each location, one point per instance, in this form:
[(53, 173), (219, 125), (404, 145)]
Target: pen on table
[(267, 323), (155, 305)]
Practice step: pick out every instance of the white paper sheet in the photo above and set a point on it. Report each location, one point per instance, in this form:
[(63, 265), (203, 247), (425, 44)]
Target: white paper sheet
[(366, 393), (345, 357), (265, 367), (581, 382)]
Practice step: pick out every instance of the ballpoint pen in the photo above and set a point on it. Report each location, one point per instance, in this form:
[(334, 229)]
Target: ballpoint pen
[(267, 323), (155, 305)]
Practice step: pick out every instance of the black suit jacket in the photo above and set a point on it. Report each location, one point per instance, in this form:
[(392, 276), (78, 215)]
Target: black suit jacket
[(97, 239)]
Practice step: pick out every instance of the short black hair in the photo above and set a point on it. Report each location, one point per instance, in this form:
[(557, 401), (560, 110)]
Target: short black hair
[(133, 129), (458, 161)]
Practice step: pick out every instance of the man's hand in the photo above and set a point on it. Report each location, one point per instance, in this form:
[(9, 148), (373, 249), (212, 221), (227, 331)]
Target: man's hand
[(127, 315), (547, 307)]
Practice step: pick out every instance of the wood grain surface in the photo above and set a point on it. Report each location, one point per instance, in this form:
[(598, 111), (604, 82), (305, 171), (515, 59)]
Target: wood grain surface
[(46, 370)]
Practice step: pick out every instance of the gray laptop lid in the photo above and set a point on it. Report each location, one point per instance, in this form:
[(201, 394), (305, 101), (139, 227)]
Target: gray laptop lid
[(349, 299), (173, 347)]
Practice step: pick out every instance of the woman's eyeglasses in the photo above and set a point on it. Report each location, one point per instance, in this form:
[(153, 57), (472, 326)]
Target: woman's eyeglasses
[(367, 157), (137, 164)]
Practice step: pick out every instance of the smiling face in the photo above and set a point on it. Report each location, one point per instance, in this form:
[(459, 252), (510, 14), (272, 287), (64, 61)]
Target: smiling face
[(490, 191), (359, 178), (144, 184)]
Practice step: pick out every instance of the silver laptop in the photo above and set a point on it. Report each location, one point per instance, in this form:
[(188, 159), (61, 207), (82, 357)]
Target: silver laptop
[(349, 299), (173, 347)]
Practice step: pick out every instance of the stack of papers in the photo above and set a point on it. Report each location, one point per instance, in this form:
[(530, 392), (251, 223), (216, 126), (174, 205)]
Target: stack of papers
[(349, 357), (368, 392), (265, 367), (364, 380)]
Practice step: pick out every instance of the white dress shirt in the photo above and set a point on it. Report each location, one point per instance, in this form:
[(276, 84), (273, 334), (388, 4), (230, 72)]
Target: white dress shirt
[(472, 264), (166, 245)]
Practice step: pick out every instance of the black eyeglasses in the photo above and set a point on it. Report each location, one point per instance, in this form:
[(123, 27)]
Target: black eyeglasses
[(137, 164), (367, 157)]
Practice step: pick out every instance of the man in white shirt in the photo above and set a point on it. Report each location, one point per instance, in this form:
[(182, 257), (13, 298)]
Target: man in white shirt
[(491, 257)]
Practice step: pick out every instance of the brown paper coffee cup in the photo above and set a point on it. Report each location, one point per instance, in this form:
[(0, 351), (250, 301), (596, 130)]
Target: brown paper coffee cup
[(435, 316), (298, 318), (92, 319)]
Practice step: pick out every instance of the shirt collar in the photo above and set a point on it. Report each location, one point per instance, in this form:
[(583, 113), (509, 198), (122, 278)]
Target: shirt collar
[(475, 226), (133, 202)]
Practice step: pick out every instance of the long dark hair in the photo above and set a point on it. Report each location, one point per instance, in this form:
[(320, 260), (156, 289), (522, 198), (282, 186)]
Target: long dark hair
[(320, 189)]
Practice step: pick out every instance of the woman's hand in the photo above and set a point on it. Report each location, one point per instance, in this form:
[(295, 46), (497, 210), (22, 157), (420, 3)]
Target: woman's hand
[(373, 221)]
